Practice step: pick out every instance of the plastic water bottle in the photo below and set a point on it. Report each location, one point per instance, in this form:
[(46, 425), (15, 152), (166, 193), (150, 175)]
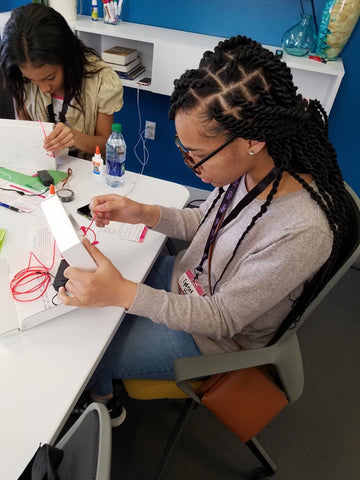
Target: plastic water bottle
[(115, 157)]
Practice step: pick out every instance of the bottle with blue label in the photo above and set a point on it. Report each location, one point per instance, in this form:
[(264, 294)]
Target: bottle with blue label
[(115, 157)]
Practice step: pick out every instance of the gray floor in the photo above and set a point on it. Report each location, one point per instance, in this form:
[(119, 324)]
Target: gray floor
[(316, 438)]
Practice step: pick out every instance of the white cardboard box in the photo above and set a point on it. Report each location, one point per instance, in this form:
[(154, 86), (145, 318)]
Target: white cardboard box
[(66, 238)]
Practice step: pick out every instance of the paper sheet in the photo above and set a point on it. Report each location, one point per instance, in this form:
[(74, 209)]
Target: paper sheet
[(24, 203), (125, 231)]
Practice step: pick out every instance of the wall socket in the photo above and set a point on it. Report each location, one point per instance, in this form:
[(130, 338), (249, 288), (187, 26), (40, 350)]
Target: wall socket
[(150, 128)]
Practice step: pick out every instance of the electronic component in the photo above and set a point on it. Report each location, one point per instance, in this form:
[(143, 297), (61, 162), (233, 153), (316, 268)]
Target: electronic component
[(144, 81), (60, 280), (85, 211), (45, 178), (279, 53)]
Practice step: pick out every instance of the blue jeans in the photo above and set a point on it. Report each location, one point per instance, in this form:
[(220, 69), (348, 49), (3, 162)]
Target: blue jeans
[(142, 348)]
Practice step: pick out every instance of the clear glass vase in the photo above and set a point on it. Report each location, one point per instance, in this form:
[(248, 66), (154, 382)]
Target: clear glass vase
[(301, 38), (338, 21)]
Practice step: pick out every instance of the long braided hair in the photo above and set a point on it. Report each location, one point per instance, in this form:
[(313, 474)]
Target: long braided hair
[(250, 93)]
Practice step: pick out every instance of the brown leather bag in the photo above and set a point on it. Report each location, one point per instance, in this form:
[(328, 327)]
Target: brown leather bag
[(244, 400)]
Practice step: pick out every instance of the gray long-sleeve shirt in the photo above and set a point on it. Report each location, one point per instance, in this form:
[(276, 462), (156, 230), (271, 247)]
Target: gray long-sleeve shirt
[(287, 245)]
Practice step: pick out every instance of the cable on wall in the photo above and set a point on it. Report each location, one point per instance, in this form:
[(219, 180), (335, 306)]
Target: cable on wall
[(141, 132)]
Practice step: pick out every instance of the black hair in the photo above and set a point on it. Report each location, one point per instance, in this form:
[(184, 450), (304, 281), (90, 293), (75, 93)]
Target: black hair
[(39, 35), (249, 93)]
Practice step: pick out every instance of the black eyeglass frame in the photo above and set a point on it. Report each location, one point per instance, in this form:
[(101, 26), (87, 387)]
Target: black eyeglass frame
[(186, 154)]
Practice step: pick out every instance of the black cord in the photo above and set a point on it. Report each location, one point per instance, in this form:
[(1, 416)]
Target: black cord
[(52, 301), (314, 15), (20, 192), (302, 6), (189, 205)]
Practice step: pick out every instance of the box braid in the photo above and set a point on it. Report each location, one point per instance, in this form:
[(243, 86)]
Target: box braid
[(249, 93)]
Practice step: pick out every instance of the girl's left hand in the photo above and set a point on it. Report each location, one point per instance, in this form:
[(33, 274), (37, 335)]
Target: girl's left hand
[(61, 137), (106, 286)]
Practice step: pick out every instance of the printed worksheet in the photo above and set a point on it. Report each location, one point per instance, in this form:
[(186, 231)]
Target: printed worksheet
[(24, 203)]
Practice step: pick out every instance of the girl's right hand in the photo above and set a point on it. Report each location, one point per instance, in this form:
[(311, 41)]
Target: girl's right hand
[(117, 208)]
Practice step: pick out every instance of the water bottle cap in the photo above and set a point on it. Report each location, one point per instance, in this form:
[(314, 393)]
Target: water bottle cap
[(116, 127)]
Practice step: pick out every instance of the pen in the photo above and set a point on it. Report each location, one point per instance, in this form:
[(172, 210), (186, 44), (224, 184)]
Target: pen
[(317, 58), (10, 207)]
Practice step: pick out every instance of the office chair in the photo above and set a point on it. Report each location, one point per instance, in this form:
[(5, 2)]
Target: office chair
[(87, 446), (284, 356)]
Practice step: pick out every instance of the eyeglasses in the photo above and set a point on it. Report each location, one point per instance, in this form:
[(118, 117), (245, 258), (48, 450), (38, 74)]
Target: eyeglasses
[(188, 158)]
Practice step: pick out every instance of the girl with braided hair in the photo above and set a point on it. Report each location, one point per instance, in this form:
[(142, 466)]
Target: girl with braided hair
[(262, 244)]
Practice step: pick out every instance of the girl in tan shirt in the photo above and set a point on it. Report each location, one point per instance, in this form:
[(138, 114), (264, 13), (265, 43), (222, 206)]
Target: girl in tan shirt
[(54, 77)]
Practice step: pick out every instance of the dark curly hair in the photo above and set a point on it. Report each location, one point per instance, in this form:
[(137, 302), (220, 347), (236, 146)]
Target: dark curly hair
[(39, 35), (250, 93)]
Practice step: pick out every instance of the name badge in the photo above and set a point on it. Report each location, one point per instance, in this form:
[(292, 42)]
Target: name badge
[(189, 285)]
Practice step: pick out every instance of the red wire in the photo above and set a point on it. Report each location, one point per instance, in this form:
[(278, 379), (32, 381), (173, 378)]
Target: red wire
[(29, 275), (49, 154), (66, 179), (85, 230)]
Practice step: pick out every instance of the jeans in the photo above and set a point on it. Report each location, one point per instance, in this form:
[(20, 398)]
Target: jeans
[(142, 348)]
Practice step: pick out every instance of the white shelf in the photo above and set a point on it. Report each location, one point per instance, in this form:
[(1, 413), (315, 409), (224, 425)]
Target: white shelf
[(166, 54)]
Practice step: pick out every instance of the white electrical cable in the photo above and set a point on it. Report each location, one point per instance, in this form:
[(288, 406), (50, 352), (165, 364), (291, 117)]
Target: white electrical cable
[(142, 138)]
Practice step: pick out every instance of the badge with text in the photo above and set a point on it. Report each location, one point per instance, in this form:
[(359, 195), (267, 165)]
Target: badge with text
[(189, 285)]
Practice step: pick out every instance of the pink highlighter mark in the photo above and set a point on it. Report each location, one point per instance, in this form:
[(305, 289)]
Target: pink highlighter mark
[(26, 191), (143, 233)]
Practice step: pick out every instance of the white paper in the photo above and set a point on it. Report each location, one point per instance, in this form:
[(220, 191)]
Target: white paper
[(24, 203), (125, 231)]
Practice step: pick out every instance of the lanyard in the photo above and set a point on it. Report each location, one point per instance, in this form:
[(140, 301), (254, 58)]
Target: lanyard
[(62, 114), (219, 221)]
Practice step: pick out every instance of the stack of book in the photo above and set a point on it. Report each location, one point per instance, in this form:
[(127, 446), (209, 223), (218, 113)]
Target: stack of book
[(125, 61)]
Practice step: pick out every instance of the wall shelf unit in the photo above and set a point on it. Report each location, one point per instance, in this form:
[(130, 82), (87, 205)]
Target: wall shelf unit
[(167, 53)]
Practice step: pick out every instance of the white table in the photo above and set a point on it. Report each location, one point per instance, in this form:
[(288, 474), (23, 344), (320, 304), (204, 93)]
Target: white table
[(44, 369)]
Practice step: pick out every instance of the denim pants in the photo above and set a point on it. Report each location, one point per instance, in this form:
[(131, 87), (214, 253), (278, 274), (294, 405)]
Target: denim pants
[(142, 348)]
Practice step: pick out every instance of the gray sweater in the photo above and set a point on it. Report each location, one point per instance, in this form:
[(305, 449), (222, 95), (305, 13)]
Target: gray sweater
[(287, 245)]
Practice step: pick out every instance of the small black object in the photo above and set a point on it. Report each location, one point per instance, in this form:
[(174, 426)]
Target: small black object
[(279, 53), (60, 280), (45, 178), (85, 211), (144, 81)]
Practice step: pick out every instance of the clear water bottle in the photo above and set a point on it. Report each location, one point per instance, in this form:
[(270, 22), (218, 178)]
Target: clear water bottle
[(115, 157)]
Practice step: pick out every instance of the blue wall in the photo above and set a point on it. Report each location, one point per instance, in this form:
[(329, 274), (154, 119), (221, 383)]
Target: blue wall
[(264, 21)]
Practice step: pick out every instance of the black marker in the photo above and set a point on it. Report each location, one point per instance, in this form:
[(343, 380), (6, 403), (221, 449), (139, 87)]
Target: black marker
[(10, 207)]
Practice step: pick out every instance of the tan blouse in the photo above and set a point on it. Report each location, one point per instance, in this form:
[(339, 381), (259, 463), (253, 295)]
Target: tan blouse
[(102, 93)]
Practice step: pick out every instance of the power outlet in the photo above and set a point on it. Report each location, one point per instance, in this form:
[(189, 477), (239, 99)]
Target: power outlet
[(150, 128)]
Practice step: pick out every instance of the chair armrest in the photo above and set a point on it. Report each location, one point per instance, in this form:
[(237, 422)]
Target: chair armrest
[(285, 355), (190, 368)]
